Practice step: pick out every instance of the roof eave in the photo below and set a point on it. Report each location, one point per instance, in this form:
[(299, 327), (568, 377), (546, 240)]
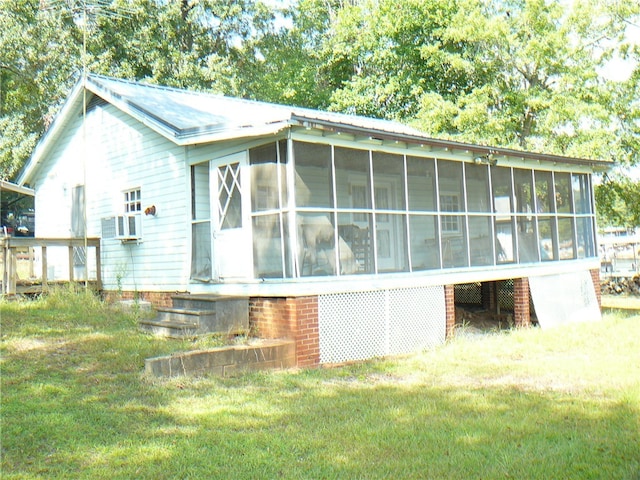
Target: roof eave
[(163, 129), (597, 165), (232, 134)]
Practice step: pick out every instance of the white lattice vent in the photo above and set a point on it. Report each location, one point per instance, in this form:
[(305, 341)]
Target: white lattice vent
[(358, 326)]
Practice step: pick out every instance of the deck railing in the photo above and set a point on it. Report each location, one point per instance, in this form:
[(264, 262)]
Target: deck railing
[(21, 257)]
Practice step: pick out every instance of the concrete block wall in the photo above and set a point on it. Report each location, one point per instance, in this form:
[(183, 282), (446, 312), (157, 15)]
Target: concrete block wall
[(489, 296), (224, 361)]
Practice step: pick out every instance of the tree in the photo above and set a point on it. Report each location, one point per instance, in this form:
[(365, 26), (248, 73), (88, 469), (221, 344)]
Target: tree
[(194, 44), (397, 53), (187, 44), (617, 201), (36, 64), (515, 73), (290, 65), (525, 74)]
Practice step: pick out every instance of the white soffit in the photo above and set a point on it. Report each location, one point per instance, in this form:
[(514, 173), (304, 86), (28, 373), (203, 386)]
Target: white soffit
[(564, 298)]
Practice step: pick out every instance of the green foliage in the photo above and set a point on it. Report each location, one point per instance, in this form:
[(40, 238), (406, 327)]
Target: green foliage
[(396, 52), (36, 52), (200, 45), (542, 90), (16, 144), (195, 45), (526, 74), (617, 201)]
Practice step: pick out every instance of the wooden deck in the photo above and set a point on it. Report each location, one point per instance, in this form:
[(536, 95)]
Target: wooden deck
[(33, 265)]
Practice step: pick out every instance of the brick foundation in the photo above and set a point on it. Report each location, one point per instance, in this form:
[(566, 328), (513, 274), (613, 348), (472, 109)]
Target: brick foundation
[(157, 299), (595, 277), (521, 313), (450, 310), (292, 318), (488, 290)]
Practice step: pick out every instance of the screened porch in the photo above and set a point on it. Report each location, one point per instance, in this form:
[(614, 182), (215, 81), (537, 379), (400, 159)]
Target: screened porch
[(302, 209)]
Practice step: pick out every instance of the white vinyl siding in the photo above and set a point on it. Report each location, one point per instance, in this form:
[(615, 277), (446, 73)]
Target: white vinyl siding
[(121, 155)]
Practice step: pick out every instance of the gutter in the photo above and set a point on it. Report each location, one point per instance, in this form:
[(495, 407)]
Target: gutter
[(601, 165)]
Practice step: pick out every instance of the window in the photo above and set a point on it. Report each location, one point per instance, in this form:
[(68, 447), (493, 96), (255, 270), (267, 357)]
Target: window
[(359, 195), (314, 183), (269, 204), (450, 203), (132, 201)]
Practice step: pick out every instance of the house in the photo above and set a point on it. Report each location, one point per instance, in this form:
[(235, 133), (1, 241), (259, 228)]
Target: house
[(16, 210), (350, 235)]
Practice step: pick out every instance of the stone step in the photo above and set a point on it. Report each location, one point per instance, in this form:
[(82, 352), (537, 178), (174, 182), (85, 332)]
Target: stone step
[(167, 328), (225, 361), (185, 315), (200, 314), (231, 313), (203, 301)]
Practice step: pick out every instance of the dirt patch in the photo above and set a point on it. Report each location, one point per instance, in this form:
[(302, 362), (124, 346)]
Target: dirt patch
[(472, 322)]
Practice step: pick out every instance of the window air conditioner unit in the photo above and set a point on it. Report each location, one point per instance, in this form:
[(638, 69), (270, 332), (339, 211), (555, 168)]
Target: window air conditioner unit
[(128, 228)]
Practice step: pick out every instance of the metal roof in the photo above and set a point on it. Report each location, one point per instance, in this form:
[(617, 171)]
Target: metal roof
[(189, 118), (192, 117)]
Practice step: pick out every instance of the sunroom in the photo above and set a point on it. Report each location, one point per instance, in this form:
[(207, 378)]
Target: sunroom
[(310, 208)]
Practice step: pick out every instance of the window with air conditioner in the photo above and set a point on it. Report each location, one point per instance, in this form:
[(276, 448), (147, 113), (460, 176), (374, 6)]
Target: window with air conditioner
[(128, 227)]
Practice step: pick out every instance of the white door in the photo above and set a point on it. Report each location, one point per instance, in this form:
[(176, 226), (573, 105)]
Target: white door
[(387, 225), (232, 248), (386, 228)]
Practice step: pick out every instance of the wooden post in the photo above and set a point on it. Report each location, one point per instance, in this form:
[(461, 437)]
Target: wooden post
[(5, 257), (12, 270), (70, 263), (98, 268), (45, 279)]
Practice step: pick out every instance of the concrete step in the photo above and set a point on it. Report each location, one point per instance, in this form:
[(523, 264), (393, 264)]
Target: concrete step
[(167, 328), (178, 322), (231, 313), (185, 315), (203, 301), (225, 361), (200, 314)]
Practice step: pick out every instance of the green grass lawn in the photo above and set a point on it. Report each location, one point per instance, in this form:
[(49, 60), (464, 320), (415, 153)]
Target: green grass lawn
[(528, 404)]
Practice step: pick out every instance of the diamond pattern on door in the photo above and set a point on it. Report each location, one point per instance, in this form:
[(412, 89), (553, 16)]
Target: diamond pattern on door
[(229, 197)]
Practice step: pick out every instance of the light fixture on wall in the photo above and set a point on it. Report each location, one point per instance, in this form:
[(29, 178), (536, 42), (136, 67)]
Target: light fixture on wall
[(150, 210), (489, 159)]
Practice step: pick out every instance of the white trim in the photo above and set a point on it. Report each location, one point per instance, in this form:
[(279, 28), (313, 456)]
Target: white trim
[(424, 151), (360, 283), (12, 187), (46, 142)]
